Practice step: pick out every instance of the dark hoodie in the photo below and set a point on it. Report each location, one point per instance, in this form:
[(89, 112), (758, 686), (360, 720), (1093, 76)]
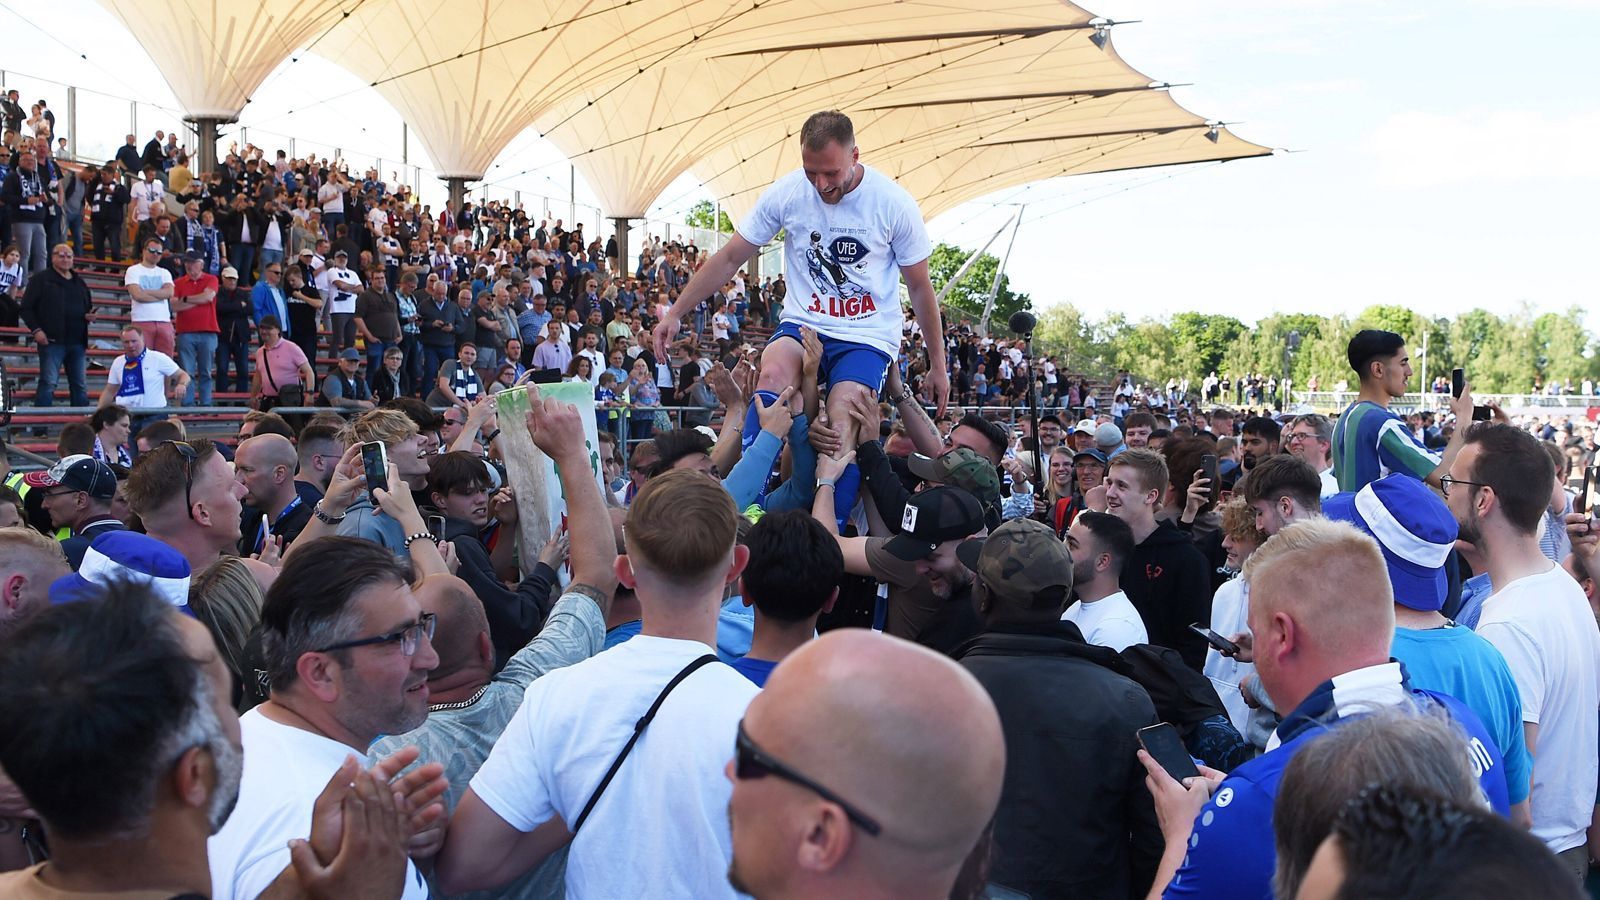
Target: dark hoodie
[(1168, 582), (515, 616)]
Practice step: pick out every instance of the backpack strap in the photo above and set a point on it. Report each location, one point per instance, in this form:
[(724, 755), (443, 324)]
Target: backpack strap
[(638, 729)]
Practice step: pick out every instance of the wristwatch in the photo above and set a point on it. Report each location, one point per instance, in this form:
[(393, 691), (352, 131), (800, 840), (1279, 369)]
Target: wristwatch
[(331, 520), (905, 396)]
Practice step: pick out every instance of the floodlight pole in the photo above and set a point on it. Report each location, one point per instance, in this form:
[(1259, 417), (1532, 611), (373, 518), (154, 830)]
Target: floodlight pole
[(206, 140)]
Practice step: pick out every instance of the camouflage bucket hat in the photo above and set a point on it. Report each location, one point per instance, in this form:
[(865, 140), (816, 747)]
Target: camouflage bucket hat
[(962, 468), (1019, 559)]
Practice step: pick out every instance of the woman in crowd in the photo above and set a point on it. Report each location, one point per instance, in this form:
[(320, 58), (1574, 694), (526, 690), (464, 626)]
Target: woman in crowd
[(645, 398), (112, 426), (1062, 500), (1229, 608), (581, 369), (227, 599)]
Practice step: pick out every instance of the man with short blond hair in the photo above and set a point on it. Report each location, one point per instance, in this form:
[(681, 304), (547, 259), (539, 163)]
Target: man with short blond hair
[(29, 561), (1321, 622), (185, 494), (1166, 577), (539, 786), (399, 436)]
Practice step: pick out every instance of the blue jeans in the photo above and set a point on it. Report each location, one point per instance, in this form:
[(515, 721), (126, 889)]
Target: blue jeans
[(411, 346), (50, 359), (31, 240), (75, 233), (238, 355), (433, 359), (243, 257), (196, 351), (268, 257)]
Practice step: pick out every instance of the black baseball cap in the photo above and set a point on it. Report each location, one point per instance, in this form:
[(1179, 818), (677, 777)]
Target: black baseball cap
[(932, 517), (83, 473)]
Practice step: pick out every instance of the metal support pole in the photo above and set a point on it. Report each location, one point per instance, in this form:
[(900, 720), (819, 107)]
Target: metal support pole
[(999, 272), (572, 195), (716, 226), (945, 291), (72, 122)]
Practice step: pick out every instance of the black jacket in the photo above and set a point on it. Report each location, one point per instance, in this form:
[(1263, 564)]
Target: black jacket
[(1169, 582), (231, 221), (58, 305), (236, 313), (1075, 819), (515, 616)]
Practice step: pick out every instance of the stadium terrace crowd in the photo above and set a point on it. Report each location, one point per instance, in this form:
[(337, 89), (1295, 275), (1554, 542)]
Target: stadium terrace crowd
[(841, 635)]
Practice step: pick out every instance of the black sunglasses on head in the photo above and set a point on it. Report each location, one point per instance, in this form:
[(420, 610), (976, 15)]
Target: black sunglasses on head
[(750, 761), (189, 455)]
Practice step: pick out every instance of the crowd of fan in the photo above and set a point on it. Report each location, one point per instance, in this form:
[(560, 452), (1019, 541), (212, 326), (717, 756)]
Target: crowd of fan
[(244, 671)]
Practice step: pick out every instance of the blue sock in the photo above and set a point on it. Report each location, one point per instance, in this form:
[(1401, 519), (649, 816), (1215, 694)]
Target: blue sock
[(844, 493), (752, 418)]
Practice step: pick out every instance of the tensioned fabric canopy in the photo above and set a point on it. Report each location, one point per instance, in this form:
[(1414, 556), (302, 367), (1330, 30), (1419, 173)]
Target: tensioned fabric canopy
[(953, 101)]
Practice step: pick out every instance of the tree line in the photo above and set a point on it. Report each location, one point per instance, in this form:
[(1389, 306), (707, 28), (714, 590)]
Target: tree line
[(1516, 352)]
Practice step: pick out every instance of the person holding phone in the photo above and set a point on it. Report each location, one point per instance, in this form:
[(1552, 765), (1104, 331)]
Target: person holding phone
[(1070, 724), (401, 441), (1320, 634), (1370, 441)]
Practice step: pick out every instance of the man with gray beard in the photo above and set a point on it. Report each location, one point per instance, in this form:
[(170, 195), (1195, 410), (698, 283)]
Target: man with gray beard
[(117, 728)]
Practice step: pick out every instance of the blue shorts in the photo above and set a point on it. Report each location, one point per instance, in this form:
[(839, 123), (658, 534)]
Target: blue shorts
[(843, 360)]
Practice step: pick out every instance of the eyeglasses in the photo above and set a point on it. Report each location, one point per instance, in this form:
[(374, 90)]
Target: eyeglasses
[(1445, 481), (1297, 436), (408, 637), (189, 455), (750, 761)]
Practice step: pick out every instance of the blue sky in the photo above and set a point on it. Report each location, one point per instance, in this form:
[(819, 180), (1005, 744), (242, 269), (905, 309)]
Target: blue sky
[(1445, 156)]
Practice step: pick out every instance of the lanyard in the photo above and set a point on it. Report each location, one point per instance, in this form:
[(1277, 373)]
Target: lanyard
[(261, 537)]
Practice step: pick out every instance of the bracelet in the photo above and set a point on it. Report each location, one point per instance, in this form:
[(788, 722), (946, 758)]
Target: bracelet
[(419, 536), (489, 438), (827, 482), (905, 397), (331, 520)]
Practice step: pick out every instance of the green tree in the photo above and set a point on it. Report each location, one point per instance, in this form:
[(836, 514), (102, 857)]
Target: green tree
[(700, 214), (1202, 341), (968, 296)]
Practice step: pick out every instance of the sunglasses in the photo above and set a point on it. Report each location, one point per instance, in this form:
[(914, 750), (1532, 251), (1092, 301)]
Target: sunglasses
[(750, 761), (189, 455)]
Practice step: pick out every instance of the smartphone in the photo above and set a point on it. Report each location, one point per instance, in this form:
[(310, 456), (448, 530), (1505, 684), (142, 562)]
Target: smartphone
[(1482, 414), (436, 528), (1162, 742), (1584, 502), (375, 462), (1208, 465), (1223, 645), (1458, 381)]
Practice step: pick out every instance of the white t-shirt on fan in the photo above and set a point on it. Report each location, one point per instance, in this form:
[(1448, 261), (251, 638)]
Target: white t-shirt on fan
[(285, 768), (151, 278), (339, 300), (1110, 621), (661, 827), (845, 258), (1543, 626), (147, 389)]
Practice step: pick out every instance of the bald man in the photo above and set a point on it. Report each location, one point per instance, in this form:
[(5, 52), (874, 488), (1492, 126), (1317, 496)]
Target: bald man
[(29, 561), (1321, 621), (469, 705), (266, 466), (868, 767)]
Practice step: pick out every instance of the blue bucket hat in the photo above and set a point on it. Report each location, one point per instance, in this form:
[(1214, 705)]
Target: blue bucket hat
[(1413, 527)]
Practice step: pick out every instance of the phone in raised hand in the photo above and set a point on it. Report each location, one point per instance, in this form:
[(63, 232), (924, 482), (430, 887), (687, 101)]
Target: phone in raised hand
[(375, 463)]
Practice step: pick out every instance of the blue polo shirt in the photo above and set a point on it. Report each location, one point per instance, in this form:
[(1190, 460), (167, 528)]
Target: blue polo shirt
[(1232, 854)]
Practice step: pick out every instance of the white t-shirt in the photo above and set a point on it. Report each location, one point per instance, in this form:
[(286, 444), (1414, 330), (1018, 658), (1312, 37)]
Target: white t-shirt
[(845, 257), (285, 768), (340, 301), (146, 199), (1544, 628), (148, 391), (332, 198), (661, 827), (1230, 609), (1110, 621), (1330, 483), (719, 327), (151, 278)]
